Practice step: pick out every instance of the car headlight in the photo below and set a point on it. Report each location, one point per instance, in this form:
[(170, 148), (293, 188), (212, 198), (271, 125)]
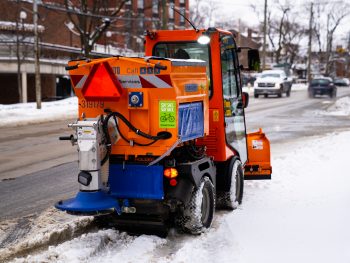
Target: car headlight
[(277, 85)]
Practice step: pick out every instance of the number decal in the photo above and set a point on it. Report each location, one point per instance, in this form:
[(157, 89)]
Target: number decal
[(91, 104)]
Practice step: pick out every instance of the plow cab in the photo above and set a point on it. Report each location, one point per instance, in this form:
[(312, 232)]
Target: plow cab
[(164, 136)]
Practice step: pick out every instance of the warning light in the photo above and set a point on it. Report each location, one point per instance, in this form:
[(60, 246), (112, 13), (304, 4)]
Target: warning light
[(173, 182), (102, 84), (170, 173)]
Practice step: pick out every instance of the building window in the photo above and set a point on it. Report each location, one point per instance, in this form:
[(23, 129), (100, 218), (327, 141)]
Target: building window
[(182, 11), (155, 7), (171, 12), (140, 4), (182, 1)]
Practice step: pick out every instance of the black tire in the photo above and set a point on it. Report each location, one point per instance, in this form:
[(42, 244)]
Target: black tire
[(288, 92), (256, 95), (198, 215), (333, 94), (233, 197), (265, 95), (280, 92)]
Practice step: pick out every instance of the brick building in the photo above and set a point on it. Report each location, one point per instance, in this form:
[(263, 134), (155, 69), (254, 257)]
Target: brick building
[(59, 41)]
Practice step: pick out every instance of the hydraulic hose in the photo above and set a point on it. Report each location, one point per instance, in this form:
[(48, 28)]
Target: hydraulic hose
[(164, 135)]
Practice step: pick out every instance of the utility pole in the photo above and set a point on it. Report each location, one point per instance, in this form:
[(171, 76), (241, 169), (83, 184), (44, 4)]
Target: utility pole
[(164, 15), (264, 43), (18, 55), (310, 43), (36, 56)]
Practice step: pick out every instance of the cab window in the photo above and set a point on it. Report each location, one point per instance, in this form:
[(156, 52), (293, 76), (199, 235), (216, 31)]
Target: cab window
[(185, 50), (229, 69)]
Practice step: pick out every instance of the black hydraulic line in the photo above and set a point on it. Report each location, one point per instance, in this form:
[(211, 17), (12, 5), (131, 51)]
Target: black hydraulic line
[(125, 139), (160, 136)]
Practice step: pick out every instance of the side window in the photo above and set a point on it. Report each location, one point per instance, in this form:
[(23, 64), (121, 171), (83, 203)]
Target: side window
[(227, 71)]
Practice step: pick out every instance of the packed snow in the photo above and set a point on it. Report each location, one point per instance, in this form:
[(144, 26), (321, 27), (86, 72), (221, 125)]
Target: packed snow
[(301, 215), (27, 113), (340, 108)]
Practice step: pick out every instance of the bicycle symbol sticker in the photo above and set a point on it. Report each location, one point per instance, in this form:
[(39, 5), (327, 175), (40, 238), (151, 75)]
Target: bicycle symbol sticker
[(167, 114)]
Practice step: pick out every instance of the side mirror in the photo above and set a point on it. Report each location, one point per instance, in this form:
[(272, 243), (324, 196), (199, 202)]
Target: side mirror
[(245, 99), (253, 60)]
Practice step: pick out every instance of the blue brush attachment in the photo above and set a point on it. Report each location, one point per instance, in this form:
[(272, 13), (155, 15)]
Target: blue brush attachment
[(90, 203)]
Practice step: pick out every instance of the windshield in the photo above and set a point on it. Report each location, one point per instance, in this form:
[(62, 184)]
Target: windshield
[(185, 50), (320, 82), (270, 75)]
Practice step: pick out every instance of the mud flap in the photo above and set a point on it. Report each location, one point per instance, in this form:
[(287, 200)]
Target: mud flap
[(258, 166)]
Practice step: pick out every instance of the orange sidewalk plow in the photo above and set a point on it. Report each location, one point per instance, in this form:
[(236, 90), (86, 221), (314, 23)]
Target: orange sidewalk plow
[(258, 165)]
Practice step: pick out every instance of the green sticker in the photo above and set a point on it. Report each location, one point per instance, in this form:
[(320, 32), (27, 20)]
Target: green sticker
[(167, 114)]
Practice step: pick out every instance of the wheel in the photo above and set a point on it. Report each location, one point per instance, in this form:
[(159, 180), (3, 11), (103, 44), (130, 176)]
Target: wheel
[(280, 92), (288, 92), (333, 94), (198, 215), (256, 95), (265, 95), (231, 198)]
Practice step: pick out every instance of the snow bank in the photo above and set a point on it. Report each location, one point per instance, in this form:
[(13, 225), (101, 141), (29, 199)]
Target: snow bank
[(340, 108), (50, 228), (27, 113), (301, 215)]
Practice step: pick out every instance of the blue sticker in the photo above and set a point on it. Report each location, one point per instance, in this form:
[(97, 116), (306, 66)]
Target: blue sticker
[(143, 70), (191, 87), (149, 70)]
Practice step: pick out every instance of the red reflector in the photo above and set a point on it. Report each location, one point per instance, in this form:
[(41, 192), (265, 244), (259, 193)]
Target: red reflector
[(173, 182), (170, 173), (102, 84)]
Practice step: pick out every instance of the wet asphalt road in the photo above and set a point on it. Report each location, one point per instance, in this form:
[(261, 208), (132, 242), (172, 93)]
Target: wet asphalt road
[(25, 191)]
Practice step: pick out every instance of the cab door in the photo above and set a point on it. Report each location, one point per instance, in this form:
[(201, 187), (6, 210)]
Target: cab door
[(235, 129)]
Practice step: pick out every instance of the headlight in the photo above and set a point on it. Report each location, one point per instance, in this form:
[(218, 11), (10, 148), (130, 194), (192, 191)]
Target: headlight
[(277, 85)]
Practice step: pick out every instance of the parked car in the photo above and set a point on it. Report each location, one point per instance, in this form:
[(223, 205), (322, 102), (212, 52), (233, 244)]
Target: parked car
[(322, 86), (342, 82), (272, 82)]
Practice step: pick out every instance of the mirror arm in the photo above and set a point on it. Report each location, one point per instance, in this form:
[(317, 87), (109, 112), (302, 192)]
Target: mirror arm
[(239, 49)]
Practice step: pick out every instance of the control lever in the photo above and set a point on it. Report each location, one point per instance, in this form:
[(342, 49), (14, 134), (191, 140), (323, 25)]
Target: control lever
[(68, 138)]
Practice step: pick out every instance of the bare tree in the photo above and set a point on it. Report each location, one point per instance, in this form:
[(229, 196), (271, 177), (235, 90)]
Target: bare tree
[(336, 14), (202, 12), (86, 17)]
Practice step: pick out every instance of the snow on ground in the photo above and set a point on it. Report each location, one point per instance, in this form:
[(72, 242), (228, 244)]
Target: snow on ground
[(51, 227), (299, 86), (340, 108), (301, 215), (27, 113)]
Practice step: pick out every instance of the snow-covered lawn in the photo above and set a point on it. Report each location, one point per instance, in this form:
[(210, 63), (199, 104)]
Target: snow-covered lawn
[(27, 113), (301, 215)]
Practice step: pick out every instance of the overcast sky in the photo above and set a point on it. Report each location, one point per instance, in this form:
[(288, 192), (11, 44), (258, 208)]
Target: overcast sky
[(242, 9)]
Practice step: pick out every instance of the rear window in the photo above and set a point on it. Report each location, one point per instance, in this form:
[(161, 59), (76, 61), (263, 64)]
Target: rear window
[(320, 82), (185, 50), (270, 75)]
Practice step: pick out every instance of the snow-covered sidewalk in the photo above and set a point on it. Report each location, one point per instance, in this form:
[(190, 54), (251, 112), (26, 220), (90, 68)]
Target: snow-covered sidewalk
[(27, 113), (301, 215)]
